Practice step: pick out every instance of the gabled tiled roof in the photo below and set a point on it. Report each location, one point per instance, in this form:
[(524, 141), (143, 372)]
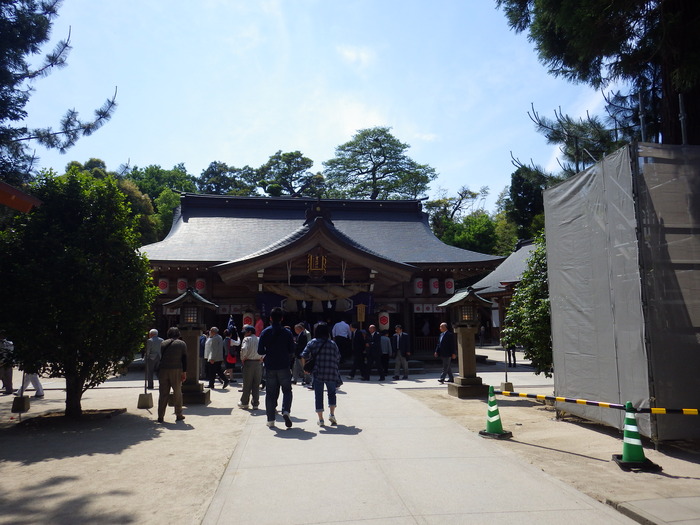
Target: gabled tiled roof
[(218, 229), (509, 271)]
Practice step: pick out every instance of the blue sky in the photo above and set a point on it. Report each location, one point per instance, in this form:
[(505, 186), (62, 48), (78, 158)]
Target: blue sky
[(235, 81)]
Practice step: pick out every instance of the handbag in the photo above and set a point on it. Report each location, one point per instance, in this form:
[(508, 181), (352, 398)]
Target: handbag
[(309, 365)]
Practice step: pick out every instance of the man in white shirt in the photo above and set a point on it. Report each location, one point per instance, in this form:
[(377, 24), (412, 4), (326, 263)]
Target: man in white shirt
[(341, 335), (152, 356)]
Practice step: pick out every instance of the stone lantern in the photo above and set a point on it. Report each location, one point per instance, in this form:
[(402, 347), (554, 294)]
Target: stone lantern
[(465, 306), (191, 306)]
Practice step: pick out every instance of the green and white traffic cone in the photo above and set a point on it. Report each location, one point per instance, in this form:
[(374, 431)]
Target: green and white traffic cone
[(632, 457), (494, 428)]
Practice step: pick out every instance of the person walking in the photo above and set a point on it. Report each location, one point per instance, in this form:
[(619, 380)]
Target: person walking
[(231, 348), (33, 378), (6, 363), (276, 345), (386, 351), (298, 373), (251, 367), (446, 350), (510, 355), (172, 373), (214, 356), (326, 356), (341, 336), (375, 352), (401, 344), (358, 343), (152, 356)]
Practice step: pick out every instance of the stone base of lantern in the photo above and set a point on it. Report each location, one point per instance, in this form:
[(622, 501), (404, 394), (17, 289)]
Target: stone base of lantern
[(468, 387)]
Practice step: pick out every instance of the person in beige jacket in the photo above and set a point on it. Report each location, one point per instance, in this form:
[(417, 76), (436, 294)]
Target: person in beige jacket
[(251, 365)]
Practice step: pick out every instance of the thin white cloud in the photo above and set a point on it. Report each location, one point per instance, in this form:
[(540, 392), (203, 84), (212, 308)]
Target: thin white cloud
[(360, 56)]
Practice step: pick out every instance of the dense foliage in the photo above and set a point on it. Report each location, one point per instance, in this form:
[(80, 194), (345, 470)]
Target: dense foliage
[(651, 45), (77, 296), (527, 321), (374, 165)]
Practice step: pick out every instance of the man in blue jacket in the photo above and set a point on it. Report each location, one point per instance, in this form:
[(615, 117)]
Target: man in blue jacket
[(276, 345)]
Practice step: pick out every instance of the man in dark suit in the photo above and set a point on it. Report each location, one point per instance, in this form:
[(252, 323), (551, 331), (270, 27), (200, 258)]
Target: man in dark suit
[(375, 352), (359, 352), (401, 346), (447, 351)]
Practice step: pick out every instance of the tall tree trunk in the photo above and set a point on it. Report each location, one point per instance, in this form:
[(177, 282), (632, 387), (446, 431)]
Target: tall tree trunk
[(680, 19), (74, 394)]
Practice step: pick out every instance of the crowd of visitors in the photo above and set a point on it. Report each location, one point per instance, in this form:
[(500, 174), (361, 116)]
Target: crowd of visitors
[(273, 357)]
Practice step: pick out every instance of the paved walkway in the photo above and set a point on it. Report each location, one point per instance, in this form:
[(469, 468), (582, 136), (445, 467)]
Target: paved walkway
[(390, 460)]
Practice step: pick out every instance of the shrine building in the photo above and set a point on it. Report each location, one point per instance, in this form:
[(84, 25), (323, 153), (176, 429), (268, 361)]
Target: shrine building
[(375, 262)]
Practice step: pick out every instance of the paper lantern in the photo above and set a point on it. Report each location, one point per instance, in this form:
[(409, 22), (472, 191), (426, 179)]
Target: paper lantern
[(182, 285), (248, 318), (383, 320), (164, 285), (418, 285), (434, 285), (450, 286), (200, 285)]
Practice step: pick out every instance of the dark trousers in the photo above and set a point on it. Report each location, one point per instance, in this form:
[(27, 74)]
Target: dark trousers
[(151, 370), (359, 363), (344, 346), (276, 380), (385, 364), (376, 362), (510, 354), (447, 368), (213, 370)]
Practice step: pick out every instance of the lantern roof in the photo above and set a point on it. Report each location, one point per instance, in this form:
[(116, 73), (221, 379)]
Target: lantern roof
[(190, 296), (465, 296)]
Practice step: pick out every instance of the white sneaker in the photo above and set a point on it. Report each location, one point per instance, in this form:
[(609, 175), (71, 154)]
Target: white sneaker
[(271, 424), (332, 419), (241, 405), (321, 423)]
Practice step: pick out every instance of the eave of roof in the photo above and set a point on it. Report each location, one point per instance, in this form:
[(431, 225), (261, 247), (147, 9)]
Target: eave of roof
[(319, 232), (214, 229), (508, 273)]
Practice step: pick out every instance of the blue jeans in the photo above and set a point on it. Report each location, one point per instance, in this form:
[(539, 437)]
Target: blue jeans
[(274, 380), (318, 391)]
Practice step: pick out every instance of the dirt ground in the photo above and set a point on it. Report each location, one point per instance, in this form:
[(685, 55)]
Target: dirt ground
[(576, 451), (122, 468)]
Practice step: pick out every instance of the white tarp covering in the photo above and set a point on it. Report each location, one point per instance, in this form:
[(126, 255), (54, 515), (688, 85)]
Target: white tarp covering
[(621, 330)]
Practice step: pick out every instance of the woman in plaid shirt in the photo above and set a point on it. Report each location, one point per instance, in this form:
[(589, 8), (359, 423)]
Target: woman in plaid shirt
[(327, 357)]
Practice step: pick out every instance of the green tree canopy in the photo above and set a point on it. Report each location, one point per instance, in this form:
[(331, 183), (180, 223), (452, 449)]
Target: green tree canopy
[(288, 174), (153, 179), (654, 46), (374, 165), (528, 319), (524, 204), (25, 26), (221, 179), (475, 232), (77, 296)]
